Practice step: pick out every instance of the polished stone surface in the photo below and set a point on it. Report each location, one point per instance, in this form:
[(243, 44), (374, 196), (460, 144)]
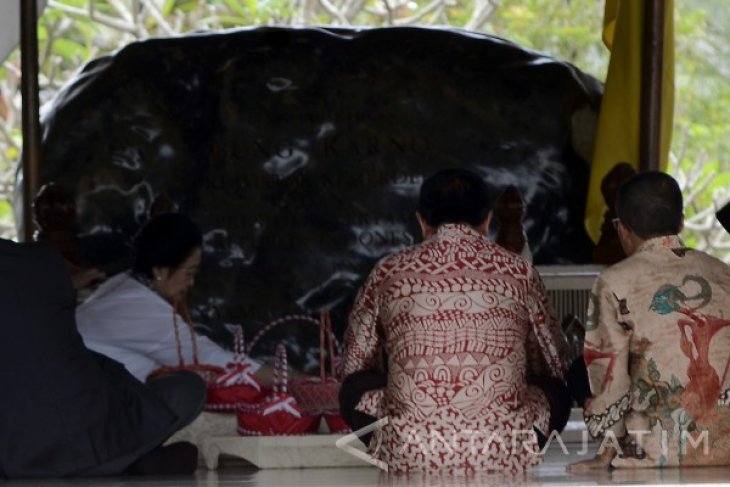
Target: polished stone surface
[(573, 447), (551, 473), (301, 151)]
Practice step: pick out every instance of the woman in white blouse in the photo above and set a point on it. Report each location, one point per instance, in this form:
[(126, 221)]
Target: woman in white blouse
[(132, 317)]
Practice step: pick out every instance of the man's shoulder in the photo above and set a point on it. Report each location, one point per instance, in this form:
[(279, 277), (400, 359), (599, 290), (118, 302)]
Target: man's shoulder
[(26, 248), (508, 256), (429, 250), (30, 255), (710, 259), (620, 267), (638, 265), (399, 257), (709, 267), (505, 261), (9, 250), (634, 265)]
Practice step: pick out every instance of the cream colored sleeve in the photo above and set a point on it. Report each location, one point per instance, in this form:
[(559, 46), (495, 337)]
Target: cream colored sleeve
[(606, 353)]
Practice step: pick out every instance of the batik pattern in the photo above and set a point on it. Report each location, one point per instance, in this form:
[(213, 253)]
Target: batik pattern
[(456, 317), (657, 348)]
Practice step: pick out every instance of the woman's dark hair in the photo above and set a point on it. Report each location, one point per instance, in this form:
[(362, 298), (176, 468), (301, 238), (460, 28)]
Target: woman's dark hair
[(650, 204), (165, 241), (454, 196)]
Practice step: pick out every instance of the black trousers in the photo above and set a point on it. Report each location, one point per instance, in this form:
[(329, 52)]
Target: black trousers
[(560, 396), (353, 387), (184, 393)]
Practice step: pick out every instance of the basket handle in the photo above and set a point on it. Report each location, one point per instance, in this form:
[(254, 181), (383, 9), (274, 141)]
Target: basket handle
[(181, 306), (325, 331), (239, 345), (275, 323), (281, 370)]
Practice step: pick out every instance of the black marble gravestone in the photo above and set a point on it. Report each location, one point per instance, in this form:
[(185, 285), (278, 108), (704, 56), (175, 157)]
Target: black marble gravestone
[(300, 152)]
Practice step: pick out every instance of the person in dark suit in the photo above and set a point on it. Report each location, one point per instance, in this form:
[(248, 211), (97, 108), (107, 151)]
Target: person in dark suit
[(67, 411)]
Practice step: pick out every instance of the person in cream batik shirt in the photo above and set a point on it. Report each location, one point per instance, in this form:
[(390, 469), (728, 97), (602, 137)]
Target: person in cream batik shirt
[(657, 343)]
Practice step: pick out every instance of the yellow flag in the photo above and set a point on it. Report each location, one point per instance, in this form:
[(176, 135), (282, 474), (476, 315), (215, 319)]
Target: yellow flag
[(617, 139)]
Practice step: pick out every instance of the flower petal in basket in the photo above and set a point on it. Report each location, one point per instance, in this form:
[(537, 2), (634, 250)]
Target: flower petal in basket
[(279, 415), (315, 395)]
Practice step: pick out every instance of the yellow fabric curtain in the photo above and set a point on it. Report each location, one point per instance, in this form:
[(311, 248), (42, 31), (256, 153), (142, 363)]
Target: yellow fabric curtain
[(617, 139)]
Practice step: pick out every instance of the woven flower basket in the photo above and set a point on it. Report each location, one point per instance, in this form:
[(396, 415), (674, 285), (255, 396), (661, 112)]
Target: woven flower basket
[(278, 414), (208, 372), (227, 387), (236, 386), (316, 394)]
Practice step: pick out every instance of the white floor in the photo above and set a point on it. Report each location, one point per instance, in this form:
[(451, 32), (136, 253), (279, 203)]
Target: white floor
[(551, 472), (290, 450)]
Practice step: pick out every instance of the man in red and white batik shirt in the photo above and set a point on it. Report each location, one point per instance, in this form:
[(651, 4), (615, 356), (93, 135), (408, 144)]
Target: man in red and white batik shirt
[(474, 360)]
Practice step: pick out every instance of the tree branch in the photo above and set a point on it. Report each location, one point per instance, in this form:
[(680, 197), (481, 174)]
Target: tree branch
[(157, 15), (389, 11), (352, 8), (91, 13), (8, 138), (333, 11), (483, 9), (421, 14)]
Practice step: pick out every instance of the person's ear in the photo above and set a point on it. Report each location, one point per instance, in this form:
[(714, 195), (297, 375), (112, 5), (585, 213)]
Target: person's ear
[(483, 227), (624, 238), (426, 229), (160, 273), (630, 242)]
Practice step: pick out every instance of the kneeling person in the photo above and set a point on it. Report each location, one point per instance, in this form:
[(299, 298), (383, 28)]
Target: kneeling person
[(67, 411), (463, 323), (657, 343)]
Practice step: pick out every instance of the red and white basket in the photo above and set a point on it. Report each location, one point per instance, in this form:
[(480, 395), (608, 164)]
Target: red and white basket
[(208, 372), (237, 385), (317, 395), (227, 387), (321, 395), (278, 414)]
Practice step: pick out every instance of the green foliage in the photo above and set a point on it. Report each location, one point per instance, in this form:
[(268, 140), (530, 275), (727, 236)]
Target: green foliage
[(565, 30), (6, 213), (700, 143)]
